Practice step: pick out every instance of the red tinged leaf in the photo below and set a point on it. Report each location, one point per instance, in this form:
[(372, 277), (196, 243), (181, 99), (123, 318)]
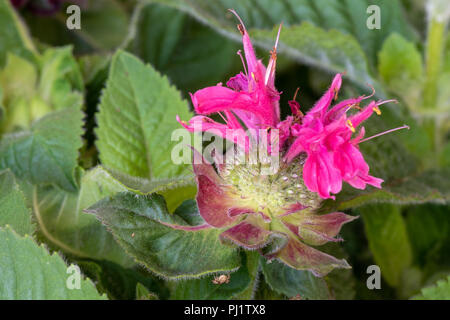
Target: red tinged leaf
[(252, 233), (317, 229), (302, 257)]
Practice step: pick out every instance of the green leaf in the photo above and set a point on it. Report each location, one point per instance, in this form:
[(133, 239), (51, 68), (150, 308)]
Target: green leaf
[(403, 76), (48, 152), (388, 240), (121, 283), (61, 82), (341, 282), (18, 81), (63, 223), (136, 223), (175, 190), (18, 78), (13, 35), (189, 53), (347, 16), (13, 209), (412, 188), (206, 289), (32, 91), (428, 228), (142, 293), (253, 267), (28, 271), (136, 120), (104, 26), (330, 50), (291, 282), (440, 291)]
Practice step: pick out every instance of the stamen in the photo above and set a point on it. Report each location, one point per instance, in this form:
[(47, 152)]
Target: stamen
[(273, 59), (241, 26), (353, 105), (223, 117), (278, 36), (243, 63), (373, 92), (385, 132), (295, 94), (379, 103), (350, 126)]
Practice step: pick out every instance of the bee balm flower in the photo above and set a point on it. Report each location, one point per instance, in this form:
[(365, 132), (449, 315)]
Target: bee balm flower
[(276, 213)]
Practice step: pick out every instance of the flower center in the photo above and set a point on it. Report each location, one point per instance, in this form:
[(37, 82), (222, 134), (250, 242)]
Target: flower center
[(272, 194)]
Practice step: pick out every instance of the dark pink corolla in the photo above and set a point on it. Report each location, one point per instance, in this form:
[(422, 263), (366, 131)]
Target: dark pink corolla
[(277, 213)]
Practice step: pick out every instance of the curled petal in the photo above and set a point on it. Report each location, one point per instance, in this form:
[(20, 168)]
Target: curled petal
[(360, 181)]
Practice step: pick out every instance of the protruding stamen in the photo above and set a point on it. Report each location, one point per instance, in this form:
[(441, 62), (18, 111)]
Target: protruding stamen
[(353, 105), (239, 53), (295, 94), (350, 126), (278, 37), (270, 72), (372, 94), (379, 103), (241, 26), (223, 117), (385, 132)]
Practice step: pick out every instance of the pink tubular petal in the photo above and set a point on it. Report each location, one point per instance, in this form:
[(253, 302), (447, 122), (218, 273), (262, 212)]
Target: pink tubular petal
[(320, 175), (341, 108), (360, 181), (215, 99), (302, 257), (363, 115), (324, 102), (250, 56), (294, 150), (350, 161)]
